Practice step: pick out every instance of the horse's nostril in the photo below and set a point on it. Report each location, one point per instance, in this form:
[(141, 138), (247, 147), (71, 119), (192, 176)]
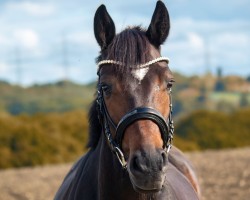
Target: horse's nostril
[(136, 165), (142, 163)]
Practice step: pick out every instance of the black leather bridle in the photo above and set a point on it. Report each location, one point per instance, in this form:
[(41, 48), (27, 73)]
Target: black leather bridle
[(140, 113)]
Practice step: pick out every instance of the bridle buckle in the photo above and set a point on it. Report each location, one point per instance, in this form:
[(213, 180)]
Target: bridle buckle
[(120, 157)]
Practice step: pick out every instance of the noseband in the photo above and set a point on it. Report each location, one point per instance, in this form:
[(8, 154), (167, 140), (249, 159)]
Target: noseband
[(140, 113)]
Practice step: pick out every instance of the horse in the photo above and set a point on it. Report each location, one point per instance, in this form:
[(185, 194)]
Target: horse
[(131, 128)]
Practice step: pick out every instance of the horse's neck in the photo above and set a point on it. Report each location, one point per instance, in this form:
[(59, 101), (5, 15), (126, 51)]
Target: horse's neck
[(113, 181)]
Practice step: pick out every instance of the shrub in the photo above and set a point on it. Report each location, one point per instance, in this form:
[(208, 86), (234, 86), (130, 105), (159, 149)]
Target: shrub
[(215, 130), (42, 138)]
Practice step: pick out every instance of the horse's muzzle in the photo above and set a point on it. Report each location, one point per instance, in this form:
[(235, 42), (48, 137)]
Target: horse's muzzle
[(147, 170)]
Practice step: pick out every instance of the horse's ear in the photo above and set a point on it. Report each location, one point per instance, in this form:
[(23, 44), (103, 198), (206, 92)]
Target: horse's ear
[(159, 27), (104, 27)]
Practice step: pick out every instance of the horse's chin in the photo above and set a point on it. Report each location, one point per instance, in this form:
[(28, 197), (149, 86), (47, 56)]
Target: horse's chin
[(147, 187), (148, 191)]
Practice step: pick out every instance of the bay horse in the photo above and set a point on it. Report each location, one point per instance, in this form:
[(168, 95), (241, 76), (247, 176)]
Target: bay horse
[(131, 127)]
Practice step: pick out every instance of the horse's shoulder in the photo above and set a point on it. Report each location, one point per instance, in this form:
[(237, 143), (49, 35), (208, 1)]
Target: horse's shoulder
[(182, 164), (177, 186), (72, 179)]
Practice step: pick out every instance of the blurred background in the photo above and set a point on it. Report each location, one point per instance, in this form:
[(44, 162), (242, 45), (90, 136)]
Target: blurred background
[(48, 74), (48, 78)]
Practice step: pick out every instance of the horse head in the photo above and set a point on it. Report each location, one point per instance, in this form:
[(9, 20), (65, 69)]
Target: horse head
[(134, 99)]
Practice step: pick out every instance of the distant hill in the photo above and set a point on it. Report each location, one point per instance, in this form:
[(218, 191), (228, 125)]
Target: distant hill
[(58, 97), (189, 94)]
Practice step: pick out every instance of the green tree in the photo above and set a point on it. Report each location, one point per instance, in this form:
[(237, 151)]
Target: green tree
[(244, 100)]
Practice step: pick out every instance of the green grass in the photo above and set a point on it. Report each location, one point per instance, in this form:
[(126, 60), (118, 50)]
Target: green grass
[(229, 97)]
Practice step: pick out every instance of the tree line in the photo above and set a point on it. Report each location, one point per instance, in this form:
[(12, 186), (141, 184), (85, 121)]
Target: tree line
[(46, 138)]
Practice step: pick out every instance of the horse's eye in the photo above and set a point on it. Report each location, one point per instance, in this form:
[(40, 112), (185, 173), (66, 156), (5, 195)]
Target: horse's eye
[(106, 89), (170, 83)]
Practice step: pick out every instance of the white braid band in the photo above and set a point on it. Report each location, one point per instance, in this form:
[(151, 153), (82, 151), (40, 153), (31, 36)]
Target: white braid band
[(147, 64), (103, 62)]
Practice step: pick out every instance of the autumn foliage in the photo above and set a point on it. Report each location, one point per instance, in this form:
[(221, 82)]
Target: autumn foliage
[(42, 138), (214, 130), (28, 140)]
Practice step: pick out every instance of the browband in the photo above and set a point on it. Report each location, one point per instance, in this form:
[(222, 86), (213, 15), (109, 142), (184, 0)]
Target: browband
[(147, 64)]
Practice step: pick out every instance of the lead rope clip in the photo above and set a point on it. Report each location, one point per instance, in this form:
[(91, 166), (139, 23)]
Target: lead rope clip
[(120, 157)]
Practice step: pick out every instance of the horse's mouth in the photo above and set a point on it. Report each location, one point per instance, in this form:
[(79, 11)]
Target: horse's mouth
[(154, 187), (148, 183), (144, 191)]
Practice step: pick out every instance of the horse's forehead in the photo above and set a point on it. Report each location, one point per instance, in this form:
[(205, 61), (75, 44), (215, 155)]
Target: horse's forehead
[(154, 52), (142, 91), (132, 79), (140, 73)]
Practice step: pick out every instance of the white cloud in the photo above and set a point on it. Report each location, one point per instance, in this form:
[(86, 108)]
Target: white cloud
[(32, 8), (190, 43), (231, 47), (27, 38), (3, 40), (195, 40), (207, 27), (83, 38), (42, 75), (29, 26), (227, 43), (3, 68), (232, 40)]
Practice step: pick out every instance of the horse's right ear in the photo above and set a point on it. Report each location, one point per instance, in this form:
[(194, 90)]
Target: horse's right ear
[(104, 27)]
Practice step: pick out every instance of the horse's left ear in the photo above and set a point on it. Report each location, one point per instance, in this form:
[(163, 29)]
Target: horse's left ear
[(104, 27), (159, 27)]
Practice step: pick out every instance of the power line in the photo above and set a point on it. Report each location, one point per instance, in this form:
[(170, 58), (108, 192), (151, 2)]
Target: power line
[(207, 56), (18, 65), (65, 54)]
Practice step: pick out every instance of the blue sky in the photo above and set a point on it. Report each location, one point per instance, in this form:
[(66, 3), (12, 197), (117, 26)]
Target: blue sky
[(35, 33)]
